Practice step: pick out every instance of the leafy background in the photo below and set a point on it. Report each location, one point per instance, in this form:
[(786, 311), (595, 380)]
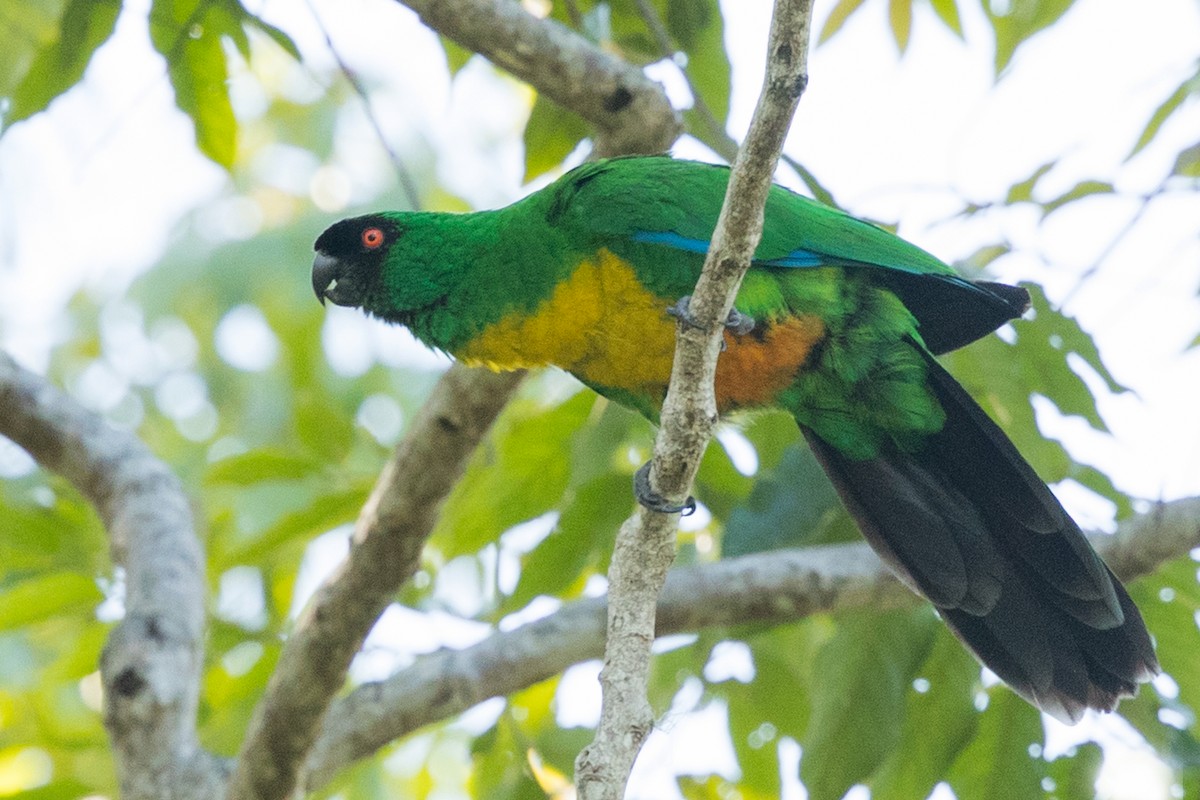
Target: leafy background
[(201, 334)]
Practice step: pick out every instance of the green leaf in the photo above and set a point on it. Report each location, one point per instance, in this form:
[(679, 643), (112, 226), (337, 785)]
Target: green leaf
[(998, 765), (583, 537), (64, 789), (670, 669), (28, 27), (900, 18), (774, 434), (837, 18), (277, 36), (1079, 190), (321, 425), (978, 261), (947, 11), (45, 597), (699, 31), (789, 506), (948, 707), (500, 768), (1054, 332), (775, 703), (719, 485), (812, 183), (1075, 775), (60, 64), (188, 34), (551, 134), (266, 464), (518, 473), (860, 680), (756, 743), (558, 747), (1022, 192), (83, 656), (457, 56), (63, 537), (1190, 86), (1187, 163), (1170, 602), (321, 516), (1020, 20), (716, 787)]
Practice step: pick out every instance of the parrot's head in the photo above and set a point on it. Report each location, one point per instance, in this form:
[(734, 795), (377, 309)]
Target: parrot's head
[(380, 263)]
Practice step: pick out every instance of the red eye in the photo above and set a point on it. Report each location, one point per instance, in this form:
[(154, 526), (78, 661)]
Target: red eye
[(372, 238)]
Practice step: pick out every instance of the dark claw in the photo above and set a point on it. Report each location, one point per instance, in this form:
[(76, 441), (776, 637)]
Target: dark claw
[(655, 501), (738, 323), (681, 312)]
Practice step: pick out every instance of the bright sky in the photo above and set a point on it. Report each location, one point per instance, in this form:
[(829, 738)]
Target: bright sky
[(91, 192)]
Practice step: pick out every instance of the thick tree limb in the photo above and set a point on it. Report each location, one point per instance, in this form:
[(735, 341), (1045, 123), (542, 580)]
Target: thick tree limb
[(151, 664), (630, 111), (771, 588), (645, 544), (385, 552)]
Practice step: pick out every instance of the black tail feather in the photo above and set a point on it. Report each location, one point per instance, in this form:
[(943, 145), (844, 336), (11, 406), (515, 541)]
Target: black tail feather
[(967, 523)]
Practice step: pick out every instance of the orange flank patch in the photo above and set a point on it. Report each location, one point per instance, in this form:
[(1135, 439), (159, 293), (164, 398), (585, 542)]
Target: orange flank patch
[(756, 367)]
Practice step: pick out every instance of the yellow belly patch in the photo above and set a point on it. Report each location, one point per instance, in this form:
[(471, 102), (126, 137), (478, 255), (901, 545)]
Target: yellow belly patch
[(602, 325)]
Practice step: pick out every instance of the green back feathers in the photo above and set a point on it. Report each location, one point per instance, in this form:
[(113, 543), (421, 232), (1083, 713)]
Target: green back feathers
[(658, 211), (630, 198)]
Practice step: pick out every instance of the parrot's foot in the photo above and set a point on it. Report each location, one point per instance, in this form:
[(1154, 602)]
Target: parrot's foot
[(736, 323), (655, 501)]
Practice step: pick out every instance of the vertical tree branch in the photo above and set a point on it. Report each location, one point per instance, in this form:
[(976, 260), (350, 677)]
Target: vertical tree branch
[(151, 664), (645, 544)]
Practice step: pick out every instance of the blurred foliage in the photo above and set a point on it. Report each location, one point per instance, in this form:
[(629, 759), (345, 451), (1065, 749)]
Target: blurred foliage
[(277, 414), (190, 35), (1013, 22)]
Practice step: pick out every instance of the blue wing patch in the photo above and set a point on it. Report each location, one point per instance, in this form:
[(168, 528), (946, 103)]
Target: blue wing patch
[(796, 258), (672, 239), (805, 258)]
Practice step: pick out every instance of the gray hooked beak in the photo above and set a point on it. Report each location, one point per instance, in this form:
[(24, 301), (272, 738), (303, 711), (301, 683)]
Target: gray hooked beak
[(324, 276)]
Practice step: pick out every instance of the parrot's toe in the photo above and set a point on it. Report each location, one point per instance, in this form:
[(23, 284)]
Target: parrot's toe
[(737, 323)]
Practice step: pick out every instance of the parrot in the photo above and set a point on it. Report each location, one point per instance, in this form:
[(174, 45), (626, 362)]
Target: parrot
[(838, 322)]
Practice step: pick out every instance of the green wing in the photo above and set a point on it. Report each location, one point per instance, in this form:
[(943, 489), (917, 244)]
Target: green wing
[(674, 204)]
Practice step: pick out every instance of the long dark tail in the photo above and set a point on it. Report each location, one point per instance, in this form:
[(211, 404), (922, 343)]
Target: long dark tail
[(967, 523)]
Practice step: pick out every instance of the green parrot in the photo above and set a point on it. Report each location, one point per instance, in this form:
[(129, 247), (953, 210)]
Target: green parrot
[(837, 322)]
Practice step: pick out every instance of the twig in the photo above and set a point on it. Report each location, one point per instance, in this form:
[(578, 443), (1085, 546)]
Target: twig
[(722, 142), (151, 664), (385, 552), (645, 544), (773, 587), (1114, 241), (402, 174)]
